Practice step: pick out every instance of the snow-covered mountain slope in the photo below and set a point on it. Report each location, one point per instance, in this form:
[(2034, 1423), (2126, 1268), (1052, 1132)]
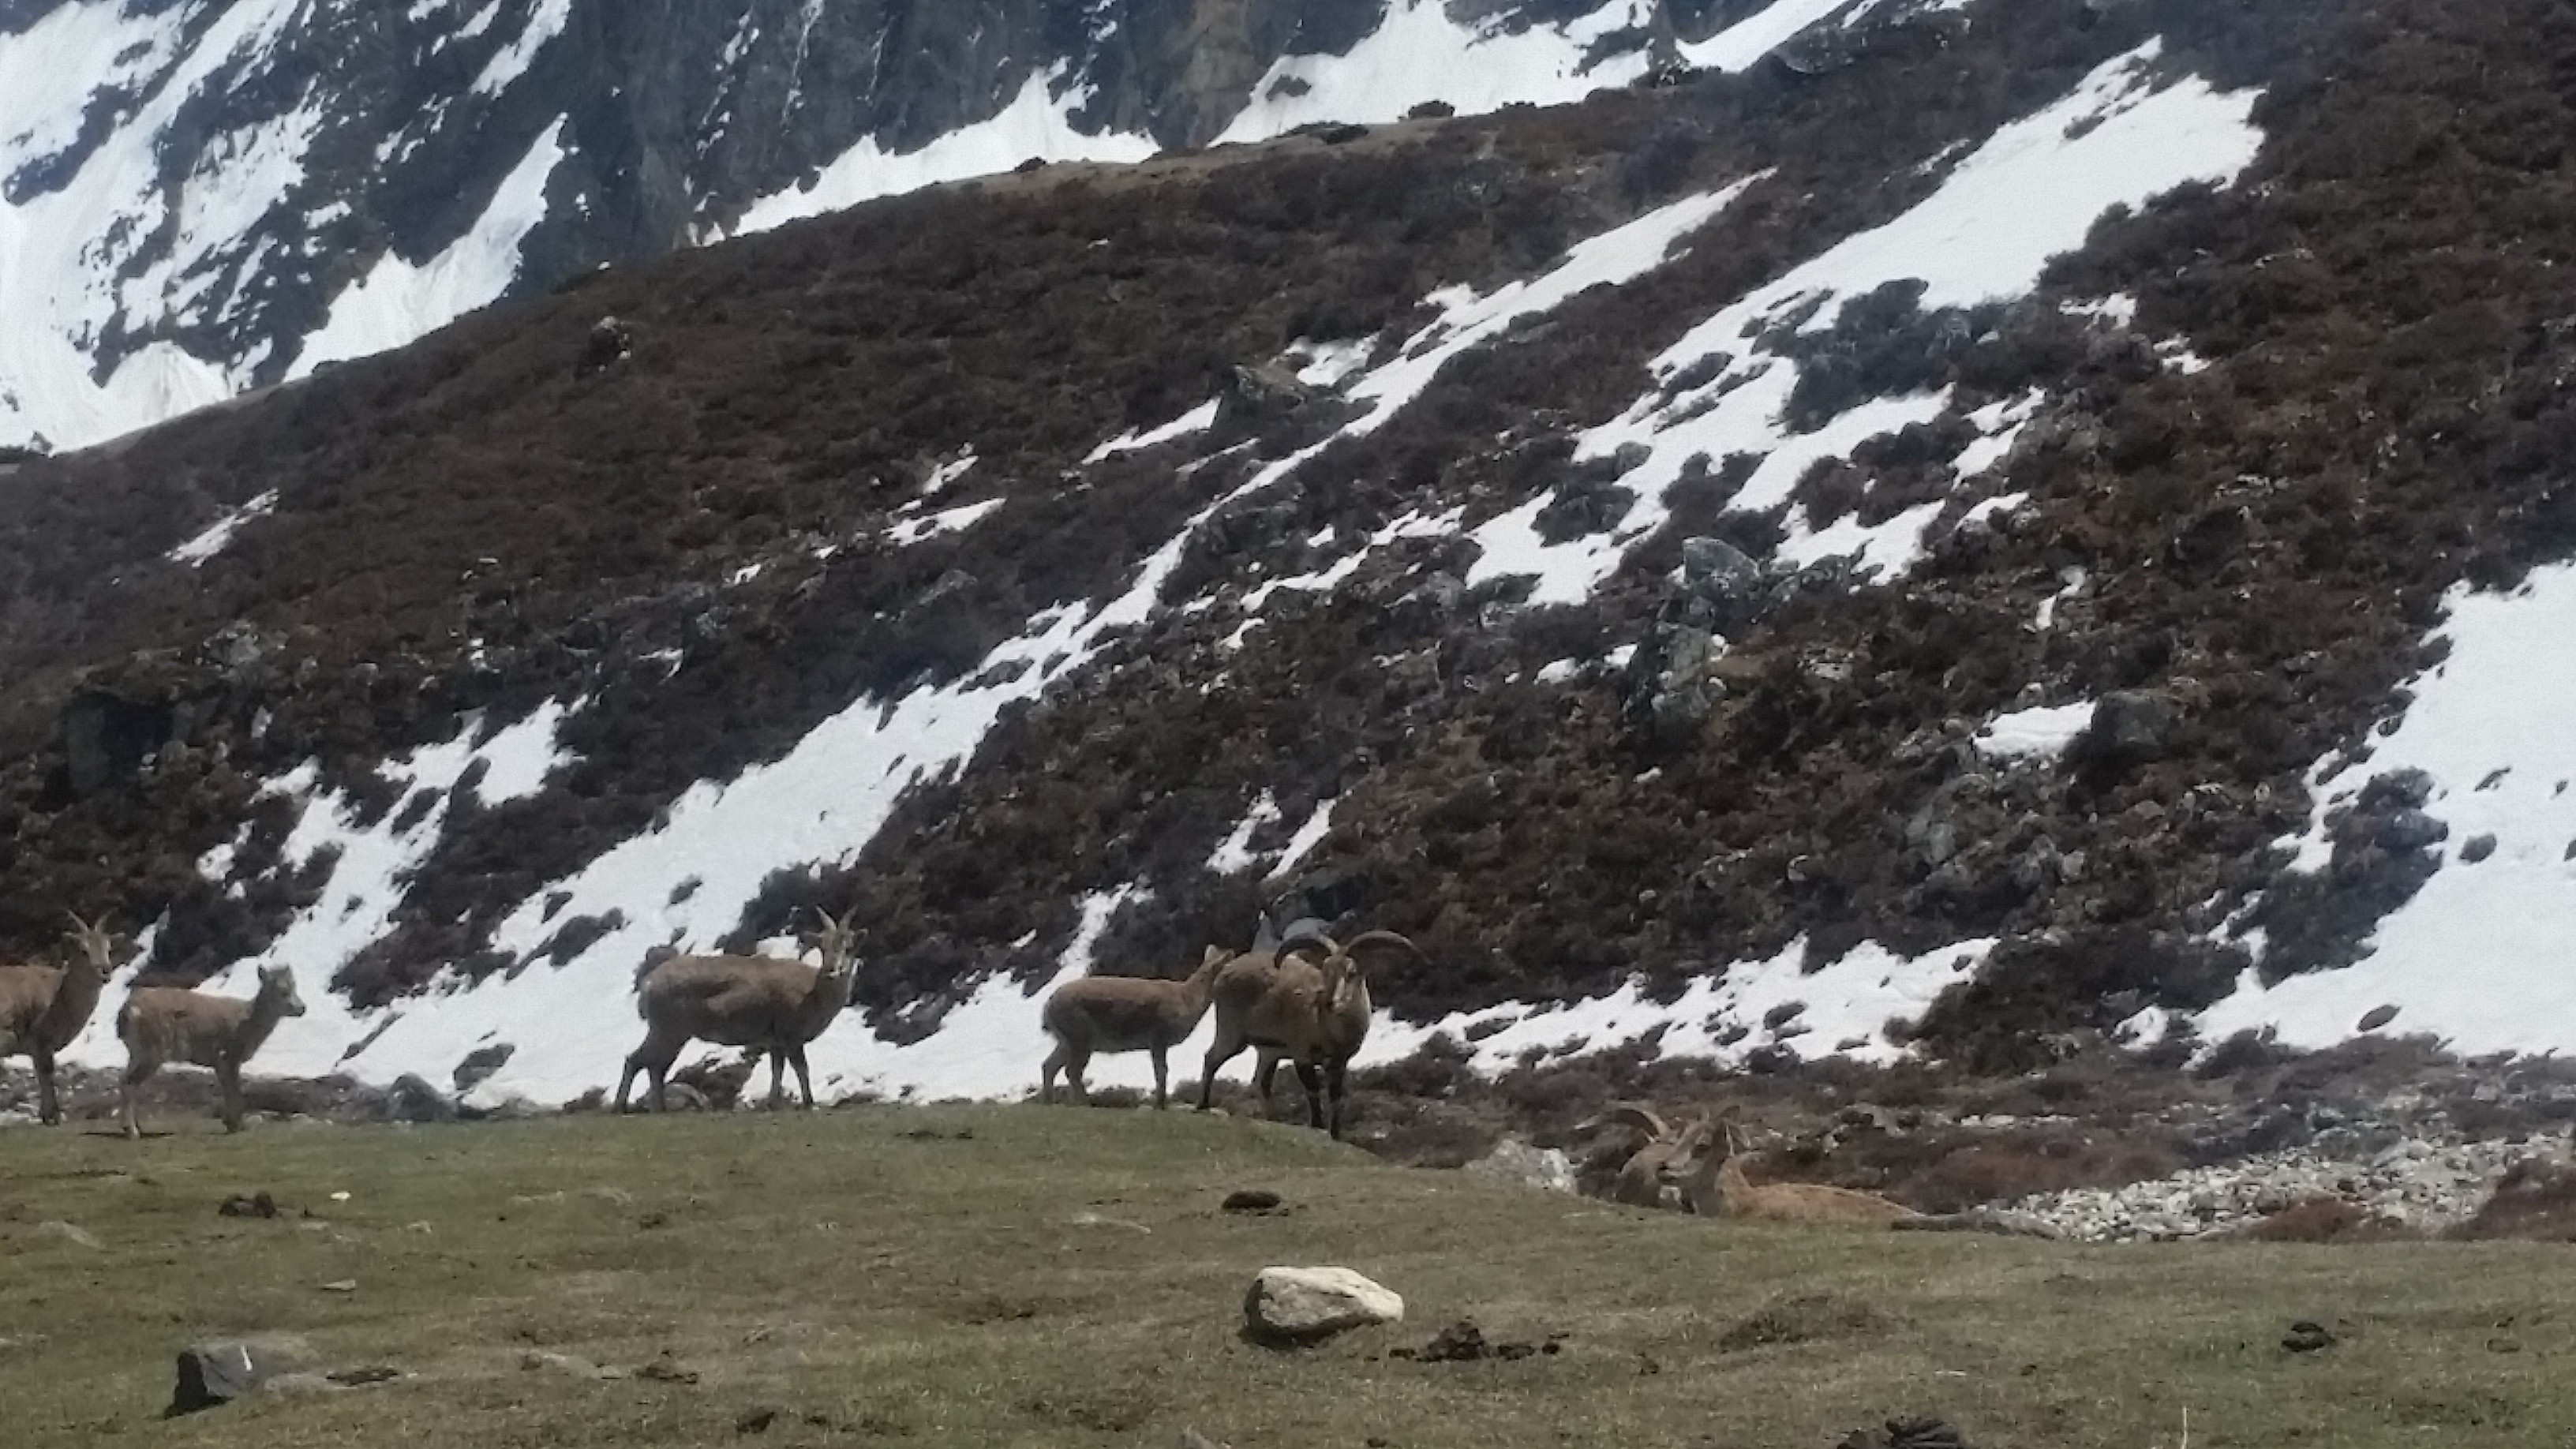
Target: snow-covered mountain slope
[(1991, 532), (202, 196)]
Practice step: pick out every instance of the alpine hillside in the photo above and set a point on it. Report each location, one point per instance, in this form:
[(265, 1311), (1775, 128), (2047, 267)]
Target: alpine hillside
[(203, 196), (1987, 524)]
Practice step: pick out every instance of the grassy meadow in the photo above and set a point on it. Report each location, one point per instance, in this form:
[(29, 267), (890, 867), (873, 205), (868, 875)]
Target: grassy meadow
[(1024, 1276)]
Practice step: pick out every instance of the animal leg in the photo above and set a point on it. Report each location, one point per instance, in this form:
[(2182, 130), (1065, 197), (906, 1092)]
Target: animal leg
[(804, 1078), (1334, 1073), (49, 1108), (228, 1077), (1311, 1077), (1047, 1070), (1265, 1076), (777, 1079), (1076, 1062), (136, 1074), (1161, 1080), (656, 1075), (1220, 1051)]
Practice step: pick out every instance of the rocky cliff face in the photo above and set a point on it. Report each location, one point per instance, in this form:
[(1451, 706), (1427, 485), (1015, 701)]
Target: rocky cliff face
[(199, 196), (2029, 521)]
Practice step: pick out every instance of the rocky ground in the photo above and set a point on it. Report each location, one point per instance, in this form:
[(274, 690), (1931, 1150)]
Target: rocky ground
[(2376, 1140)]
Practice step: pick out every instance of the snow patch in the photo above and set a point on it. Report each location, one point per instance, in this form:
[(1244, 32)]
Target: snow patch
[(218, 535), (2041, 732), (1033, 125), (398, 300), (947, 520), (1418, 53), (1197, 420), (1846, 1009), (2478, 956), (511, 61), (2029, 192)]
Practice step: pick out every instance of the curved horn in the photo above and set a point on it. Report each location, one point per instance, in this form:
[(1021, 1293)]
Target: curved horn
[(1628, 1114), (84, 927)]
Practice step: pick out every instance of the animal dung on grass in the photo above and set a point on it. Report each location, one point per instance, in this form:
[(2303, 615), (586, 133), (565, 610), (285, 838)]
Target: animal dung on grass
[(1295, 1306), (1251, 1200)]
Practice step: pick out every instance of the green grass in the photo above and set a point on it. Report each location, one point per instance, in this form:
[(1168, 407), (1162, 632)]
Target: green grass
[(1063, 1278)]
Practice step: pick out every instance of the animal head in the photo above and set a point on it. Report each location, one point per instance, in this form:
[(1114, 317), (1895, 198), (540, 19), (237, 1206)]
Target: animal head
[(1346, 966), (837, 939), (277, 984), (93, 947)]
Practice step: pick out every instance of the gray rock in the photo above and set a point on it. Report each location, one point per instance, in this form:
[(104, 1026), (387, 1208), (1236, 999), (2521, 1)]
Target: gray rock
[(2129, 727), (2408, 831), (219, 1371), (412, 1099), (1258, 394), (1719, 569), (1545, 1168), (1307, 1305), (479, 1064), (2477, 848)]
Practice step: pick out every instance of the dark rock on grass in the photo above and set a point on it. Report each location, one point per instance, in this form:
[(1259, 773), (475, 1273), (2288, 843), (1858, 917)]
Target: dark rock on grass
[(1464, 1342), (1908, 1433), (667, 1370), (755, 1421), (1251, 1200), (258, 1205), (2308, 1336), (219, 1371)]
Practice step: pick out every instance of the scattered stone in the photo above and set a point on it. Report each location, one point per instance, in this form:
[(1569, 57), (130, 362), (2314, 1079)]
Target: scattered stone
[(755, 1421), (2477, 848), (352, 1378), (1292, 1306), (344, 1285), (219, 1371), (2308, 1336), (1545, 1168), (71, 1233), (258, 1205), (2376, 1017), (2411, 1185), (1251, 1200)]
